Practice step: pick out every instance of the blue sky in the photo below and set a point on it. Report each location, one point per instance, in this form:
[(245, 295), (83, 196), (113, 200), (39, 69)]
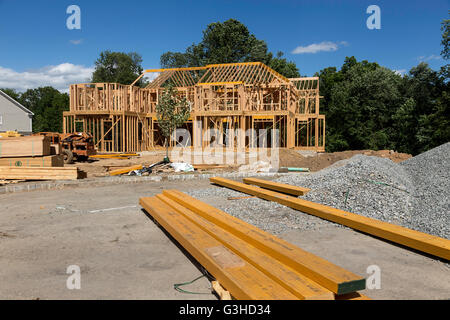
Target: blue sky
[(37, 49)]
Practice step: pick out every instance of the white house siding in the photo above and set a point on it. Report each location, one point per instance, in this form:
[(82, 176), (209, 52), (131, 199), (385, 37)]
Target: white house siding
[(14, 116)]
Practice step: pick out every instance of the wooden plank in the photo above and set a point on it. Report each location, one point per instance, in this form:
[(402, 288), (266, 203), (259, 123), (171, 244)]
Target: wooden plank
[(30, 173), (31, 146), (240, 278), (427, 243), (125, 170), (276, 186), (328, 275), (46, 161), (240, 198), (288, 278), (221, 292)]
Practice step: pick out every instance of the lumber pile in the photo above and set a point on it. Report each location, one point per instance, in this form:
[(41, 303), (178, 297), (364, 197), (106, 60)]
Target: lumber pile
[(31, 146), (46, 161), (31, 158), (420, 241), (30, 173), (249, 263)]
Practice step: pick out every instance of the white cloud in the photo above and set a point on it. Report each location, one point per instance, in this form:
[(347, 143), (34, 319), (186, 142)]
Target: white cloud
[(76, 42), (59, 77), (428, 58), (400, 72), (151, 76), (326, 46)]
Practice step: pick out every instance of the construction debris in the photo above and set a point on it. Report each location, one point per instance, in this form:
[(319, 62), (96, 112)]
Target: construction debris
[(433, 245), (182, 167)]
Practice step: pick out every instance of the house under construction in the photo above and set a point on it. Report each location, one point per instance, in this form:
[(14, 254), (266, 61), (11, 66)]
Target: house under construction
[(237, 100)]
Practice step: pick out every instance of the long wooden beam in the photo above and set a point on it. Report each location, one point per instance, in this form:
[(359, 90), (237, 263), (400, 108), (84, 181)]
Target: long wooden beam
[(328, 275), (276, 186), (288, 278), (427, 243), (125, 170), (240, 278)]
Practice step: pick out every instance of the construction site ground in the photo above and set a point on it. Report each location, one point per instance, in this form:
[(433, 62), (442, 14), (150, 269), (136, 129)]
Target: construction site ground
[(288, 158), (123, 254)]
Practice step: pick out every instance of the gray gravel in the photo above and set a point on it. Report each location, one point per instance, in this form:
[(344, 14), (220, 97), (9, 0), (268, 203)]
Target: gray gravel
[(266, 215), (414, 194)]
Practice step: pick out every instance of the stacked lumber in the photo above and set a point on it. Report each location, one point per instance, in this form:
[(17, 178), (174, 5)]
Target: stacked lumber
[(31, 146), (417, 240), (30, 173), (249, 263), (46, 161), (29, 151)]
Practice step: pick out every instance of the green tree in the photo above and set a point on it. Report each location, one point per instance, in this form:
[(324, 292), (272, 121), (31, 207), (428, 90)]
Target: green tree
[(360, 101), (12, 93), (48, 105), (118, 67), (228, 42), (171, 112)]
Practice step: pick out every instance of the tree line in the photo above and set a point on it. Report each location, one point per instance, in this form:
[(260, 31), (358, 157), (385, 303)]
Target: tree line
[(367, 106)]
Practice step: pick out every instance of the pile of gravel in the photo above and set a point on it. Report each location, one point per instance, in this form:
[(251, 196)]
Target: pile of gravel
[(266, 215), (414, 193)]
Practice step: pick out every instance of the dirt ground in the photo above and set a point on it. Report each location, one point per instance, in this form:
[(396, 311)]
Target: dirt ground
[(288, 158), (123, 254), (318, 161)]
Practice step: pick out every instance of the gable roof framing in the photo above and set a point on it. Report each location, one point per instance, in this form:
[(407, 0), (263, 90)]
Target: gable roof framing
[(251, 73)]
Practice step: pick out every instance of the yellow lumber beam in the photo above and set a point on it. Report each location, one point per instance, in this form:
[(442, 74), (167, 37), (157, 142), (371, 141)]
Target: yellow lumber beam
[(241, 279), (219, 83), (41, 173), (276, 186), (176, 69), (289, 279), (328, 275), (125, 170), (427, 243)]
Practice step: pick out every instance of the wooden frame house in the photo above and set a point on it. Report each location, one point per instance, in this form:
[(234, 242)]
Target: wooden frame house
[(231, 102)]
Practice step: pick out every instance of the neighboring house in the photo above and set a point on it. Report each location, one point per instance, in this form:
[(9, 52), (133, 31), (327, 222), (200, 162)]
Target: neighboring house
[(14, 116)]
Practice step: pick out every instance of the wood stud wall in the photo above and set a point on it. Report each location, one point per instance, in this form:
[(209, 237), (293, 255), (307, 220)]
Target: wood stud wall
[(232, 96)]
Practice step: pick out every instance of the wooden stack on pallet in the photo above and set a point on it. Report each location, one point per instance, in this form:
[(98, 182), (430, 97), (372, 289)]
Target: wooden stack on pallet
[(31, 158), (249, 263)]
